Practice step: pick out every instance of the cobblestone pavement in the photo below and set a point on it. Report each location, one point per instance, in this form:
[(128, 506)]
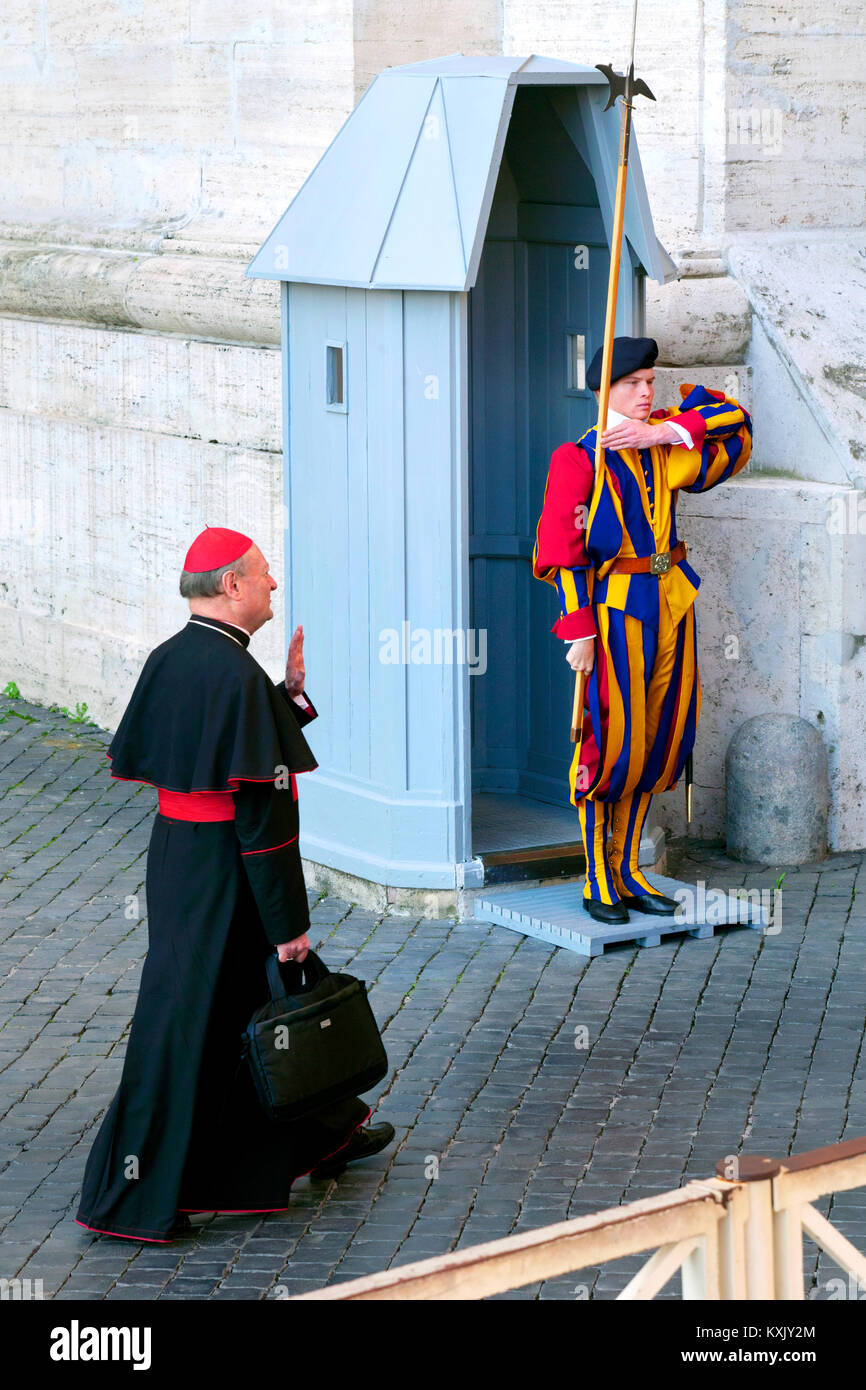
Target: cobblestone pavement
[(694, 1050)]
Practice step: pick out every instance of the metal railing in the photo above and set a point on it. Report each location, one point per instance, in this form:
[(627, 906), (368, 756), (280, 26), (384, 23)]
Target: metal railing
[(736, 1236)]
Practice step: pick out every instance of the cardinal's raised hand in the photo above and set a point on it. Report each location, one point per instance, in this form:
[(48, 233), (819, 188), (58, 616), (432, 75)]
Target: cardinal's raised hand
[(295, 669)]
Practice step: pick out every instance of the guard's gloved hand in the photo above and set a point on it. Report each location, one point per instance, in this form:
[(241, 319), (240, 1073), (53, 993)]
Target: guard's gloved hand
[(581, 654)]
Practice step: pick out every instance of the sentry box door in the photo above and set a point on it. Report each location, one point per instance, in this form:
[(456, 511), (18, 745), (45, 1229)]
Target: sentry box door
[(536, 314)]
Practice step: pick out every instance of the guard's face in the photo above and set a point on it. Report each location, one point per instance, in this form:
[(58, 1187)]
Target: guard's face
[(254, 589), (632, 395)]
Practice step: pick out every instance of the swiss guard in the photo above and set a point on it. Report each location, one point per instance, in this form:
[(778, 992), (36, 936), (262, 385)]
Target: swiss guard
[(223, 745), (626, 595)]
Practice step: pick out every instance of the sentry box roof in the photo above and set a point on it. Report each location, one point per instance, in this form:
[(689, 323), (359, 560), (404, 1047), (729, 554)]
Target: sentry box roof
[(401, 197)]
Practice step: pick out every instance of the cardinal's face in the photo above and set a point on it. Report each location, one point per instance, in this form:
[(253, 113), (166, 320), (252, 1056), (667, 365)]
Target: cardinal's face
[(255, 587), (632, 395)]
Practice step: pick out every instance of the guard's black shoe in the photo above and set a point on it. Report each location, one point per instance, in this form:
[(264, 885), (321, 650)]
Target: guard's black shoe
[(612, 914), (367, 1140), (652, 903)]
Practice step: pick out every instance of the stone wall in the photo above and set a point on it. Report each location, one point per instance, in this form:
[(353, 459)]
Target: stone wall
[(147, 150), (193, 118), (796, 115), (760, 114), (797, 548), (116, 448), (148, 147)]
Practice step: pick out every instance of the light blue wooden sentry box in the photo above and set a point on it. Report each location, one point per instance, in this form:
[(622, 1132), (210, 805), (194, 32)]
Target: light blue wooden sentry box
[(434, 312)]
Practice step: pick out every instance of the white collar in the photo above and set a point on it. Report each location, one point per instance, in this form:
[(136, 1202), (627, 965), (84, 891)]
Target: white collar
[(196, 619)]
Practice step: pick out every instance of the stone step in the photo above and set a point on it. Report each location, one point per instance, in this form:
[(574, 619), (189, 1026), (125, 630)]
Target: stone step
[(565, 860)]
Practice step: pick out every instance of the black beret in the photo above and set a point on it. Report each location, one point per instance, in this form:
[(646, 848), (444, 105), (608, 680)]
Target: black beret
[(629, 355)]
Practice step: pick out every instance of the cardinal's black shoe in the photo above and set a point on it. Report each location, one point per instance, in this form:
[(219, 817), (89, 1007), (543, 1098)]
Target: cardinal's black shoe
[(182, 1226), (612, 914), (653, 903), (367, 1140)]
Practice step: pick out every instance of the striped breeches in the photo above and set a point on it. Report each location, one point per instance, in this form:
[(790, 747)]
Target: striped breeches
[(611, 833), (641, 710)]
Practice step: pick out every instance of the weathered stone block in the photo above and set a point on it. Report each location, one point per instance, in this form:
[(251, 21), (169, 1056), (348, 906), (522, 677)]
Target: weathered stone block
[(699, 320), (777, 791)]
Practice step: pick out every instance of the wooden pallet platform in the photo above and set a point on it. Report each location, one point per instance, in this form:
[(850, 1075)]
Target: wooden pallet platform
[(554, 913)]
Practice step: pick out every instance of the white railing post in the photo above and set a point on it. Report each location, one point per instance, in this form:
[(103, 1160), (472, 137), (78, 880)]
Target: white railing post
[(732, 1245), (758, 1246), (718, 1271), (700, 1269), (788, 1254)]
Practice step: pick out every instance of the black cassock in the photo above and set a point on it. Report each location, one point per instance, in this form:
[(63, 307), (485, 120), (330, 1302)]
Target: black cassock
[(185, 1131)]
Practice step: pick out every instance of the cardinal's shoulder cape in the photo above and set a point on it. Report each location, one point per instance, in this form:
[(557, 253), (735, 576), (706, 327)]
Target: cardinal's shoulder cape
[(204, 716)]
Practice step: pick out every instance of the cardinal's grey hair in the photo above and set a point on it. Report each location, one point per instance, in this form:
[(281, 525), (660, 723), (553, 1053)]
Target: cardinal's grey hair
[(208, 584)]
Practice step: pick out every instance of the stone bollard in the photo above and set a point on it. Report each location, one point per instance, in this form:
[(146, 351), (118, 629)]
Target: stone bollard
[(777, 791)]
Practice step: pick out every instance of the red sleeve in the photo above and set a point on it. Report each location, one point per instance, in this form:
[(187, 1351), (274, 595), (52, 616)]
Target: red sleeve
[(692, 421), (571, 626), (560, 535)]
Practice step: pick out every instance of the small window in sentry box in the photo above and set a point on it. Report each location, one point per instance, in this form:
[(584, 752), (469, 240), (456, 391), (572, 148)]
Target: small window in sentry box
[(575, 362), (335, 376)]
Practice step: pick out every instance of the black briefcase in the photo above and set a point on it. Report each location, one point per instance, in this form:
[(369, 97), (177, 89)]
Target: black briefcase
[(314, 1042)]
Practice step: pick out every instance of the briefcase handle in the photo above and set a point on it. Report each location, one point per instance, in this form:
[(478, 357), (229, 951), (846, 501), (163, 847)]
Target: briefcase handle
[(307, 973)]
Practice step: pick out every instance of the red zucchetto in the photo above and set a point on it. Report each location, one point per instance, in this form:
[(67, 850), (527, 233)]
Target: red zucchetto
[(215, 547)]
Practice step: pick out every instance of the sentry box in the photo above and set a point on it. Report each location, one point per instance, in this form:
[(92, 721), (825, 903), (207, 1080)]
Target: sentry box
[(444, 272)]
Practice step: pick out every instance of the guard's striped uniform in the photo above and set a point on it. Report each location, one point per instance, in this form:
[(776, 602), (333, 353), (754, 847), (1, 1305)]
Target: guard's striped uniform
[(643, 696)]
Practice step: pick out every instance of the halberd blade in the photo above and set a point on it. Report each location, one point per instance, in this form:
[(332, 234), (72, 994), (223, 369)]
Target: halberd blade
[(642, 90), (623, 85), (616, 81)]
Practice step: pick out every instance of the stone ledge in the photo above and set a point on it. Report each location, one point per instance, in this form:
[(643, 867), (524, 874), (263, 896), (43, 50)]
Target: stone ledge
[(379, 897), (771, 497), (206, 296), (145, 279)]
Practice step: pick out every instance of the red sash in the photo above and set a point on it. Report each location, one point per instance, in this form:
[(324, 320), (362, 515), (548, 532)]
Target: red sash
[(201, 806)]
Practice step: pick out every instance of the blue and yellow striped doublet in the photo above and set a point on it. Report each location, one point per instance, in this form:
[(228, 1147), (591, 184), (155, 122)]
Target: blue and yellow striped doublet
[(643, 696)]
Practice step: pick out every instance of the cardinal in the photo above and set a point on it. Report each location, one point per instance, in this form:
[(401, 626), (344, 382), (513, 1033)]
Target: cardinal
[(626, 595), (223, 745)]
